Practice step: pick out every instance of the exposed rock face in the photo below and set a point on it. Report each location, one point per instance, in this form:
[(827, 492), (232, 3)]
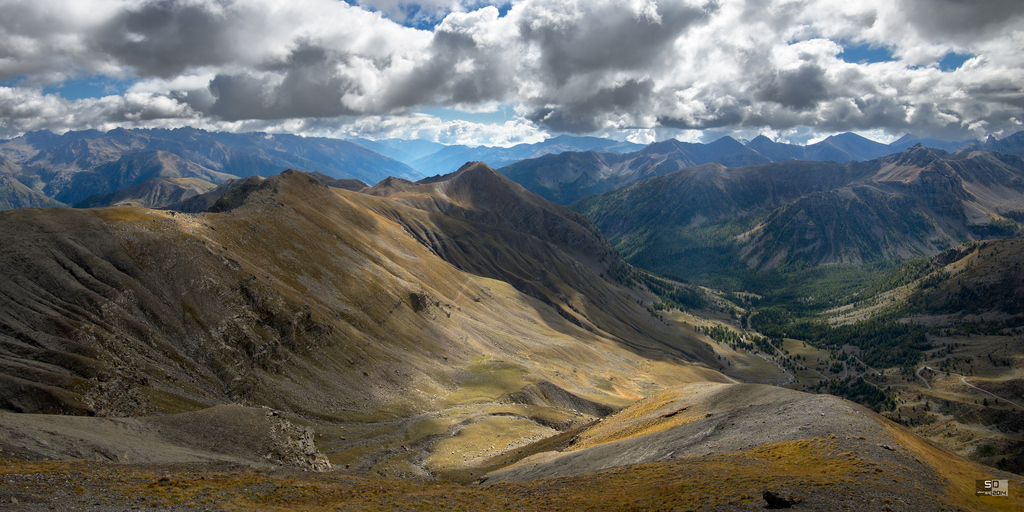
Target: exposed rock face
[(246, 432)]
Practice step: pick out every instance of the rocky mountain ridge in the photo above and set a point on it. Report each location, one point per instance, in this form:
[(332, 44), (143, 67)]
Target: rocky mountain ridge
[(71, 167), (430, 332), (911, 204), (569, 176)]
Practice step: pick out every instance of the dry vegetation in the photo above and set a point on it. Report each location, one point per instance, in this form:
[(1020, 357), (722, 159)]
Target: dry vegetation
[(401, 330), (817, 470)]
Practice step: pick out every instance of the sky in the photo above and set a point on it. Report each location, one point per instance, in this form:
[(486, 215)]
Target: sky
[(472, 72)]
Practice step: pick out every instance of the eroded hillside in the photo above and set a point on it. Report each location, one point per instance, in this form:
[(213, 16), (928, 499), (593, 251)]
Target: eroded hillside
[(334, 306)]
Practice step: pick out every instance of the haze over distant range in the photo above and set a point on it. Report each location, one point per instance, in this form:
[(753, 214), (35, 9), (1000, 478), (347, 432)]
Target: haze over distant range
[(469, 72)]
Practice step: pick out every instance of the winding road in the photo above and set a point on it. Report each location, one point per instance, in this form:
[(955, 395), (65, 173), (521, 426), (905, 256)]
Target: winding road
[(918, 373), (963, 378)]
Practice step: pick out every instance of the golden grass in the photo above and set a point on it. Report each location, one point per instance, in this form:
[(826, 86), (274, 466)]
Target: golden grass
[(644, 417), (490, 379), (688, 483), (477, 442), (959, 474)]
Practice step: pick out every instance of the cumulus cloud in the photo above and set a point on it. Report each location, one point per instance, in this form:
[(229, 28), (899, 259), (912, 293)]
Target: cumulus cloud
[(420, 13), (632, 67)]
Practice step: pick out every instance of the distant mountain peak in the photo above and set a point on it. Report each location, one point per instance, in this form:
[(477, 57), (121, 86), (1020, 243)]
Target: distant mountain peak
[(726, 140), (847, 137), (474, 167)]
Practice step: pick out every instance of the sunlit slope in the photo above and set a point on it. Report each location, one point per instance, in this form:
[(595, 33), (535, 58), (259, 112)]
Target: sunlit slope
[(307, 299), (487, 225), (829, 450)]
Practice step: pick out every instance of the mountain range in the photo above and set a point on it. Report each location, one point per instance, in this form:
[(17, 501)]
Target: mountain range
[(567, 177), (452, 157), (714, 220), (71, 167), (436, 333), (43, 168)]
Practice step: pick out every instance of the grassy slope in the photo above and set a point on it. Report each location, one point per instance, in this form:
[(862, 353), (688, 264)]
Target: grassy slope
[(840, 471), (323, 303)]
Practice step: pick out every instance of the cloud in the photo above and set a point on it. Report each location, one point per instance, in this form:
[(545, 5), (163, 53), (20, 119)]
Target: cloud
[(962, 19), (566, 65), (576, 39), (599, 109), (461, 65), (302, 86), (27, 110), (420, 13), (800, 89)]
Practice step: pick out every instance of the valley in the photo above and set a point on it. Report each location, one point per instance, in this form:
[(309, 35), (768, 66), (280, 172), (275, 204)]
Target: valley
[(527, 255), (461, 334)]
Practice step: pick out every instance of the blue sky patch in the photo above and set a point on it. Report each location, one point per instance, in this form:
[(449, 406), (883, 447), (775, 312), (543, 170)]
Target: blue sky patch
[(499, 116), (13, 82), (952, 61), (865, 53), (89, 87)]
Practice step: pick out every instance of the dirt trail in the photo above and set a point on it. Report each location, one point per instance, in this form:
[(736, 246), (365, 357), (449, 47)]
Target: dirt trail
[(918, 373), (963, 379)]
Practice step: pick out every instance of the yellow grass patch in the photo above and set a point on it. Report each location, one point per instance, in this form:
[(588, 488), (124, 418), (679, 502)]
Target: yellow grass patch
[(689, 483), (960, 475)]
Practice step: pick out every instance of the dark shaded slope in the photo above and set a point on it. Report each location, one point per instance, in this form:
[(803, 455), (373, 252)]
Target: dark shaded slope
[(130, 169), (342, 183), (476, 193), (688, 219), (202, 202), (713, 219), (1011, 145), (14, 194), (972, 287), (566, 177), (152, 193)]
